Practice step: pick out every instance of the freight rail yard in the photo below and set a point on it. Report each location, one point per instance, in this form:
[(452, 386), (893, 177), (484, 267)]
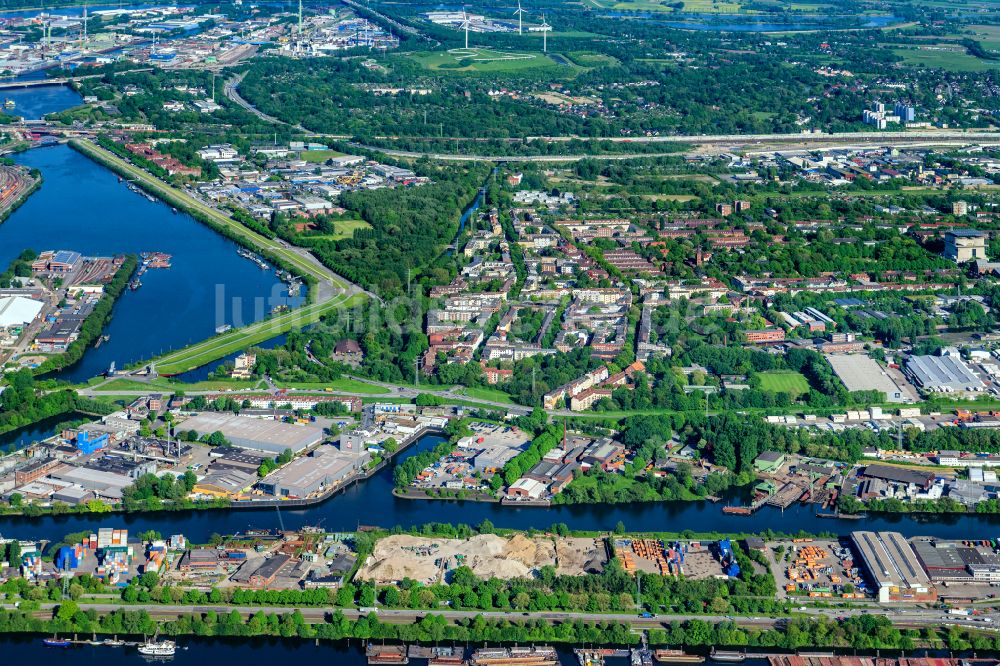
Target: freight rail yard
[(16, 182)]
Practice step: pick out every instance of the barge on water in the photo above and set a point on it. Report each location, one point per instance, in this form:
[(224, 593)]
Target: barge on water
[(515, 656), (438, 655), (728, 656), (677, 657), (387, 654)]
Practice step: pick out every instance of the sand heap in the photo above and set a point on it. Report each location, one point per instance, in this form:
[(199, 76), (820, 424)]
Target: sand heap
[(489, 556)]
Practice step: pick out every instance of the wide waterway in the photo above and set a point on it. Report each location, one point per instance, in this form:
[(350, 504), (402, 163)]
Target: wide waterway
[(371, 502), (199, 651), (84, 207)]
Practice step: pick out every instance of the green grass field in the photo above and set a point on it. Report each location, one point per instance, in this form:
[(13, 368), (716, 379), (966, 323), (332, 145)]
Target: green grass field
[(319, 155), (482, 60), (492, 395), (342, 385), (237, 340), (781, 381), (954, 59), (590, 59), (124, 384), (342, 229), (988, 35)]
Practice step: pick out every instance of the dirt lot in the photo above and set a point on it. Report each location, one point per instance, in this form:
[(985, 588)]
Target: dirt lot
[(489, 556)]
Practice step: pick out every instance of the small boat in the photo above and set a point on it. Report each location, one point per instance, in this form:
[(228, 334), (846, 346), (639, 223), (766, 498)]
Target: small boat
[(223, 328), (641, 656), (101, 340), (56, 642), (589, 658), (134, 284), (158, 649), (8, 103), (174, 210), (112, 642)]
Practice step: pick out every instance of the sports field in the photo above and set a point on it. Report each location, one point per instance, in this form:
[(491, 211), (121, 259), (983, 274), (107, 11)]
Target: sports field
[(784, 381)]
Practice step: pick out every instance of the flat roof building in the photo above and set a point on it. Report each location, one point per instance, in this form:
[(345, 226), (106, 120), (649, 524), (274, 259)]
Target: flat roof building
[(266, 435), (892, 565), (957, 561), (18, 311), (963, 245), (312, 473), (108, 485), (899, 475), (946, 373)]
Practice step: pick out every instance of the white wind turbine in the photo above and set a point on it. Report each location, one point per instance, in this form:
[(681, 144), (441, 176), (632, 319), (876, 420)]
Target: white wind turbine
[(519, 12), (545, 27), (465, 25)]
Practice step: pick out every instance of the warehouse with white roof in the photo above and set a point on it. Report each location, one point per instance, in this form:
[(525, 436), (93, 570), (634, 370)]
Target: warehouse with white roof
[(18, 311)]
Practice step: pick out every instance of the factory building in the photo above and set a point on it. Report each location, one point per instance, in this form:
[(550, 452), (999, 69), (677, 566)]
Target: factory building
[(106, 485), (958, 561), (272, 437), (311, 474), (945, 374), (18, 311), (892, 566)]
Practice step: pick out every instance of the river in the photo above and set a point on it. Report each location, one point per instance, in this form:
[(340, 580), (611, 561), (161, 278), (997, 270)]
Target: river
[(371, 503), (36, 432), (197, 651), (82, 206)]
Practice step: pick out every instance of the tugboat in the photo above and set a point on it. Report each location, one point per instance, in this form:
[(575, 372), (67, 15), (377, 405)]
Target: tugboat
[(158, 649)]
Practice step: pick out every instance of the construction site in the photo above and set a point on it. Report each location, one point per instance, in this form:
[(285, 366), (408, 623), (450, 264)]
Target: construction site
[(429, 560)]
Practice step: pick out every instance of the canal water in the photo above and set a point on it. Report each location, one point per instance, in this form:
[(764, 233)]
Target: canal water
[(36, 432), (371, 503), (82, 206), (197, 651), (33, 103)]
